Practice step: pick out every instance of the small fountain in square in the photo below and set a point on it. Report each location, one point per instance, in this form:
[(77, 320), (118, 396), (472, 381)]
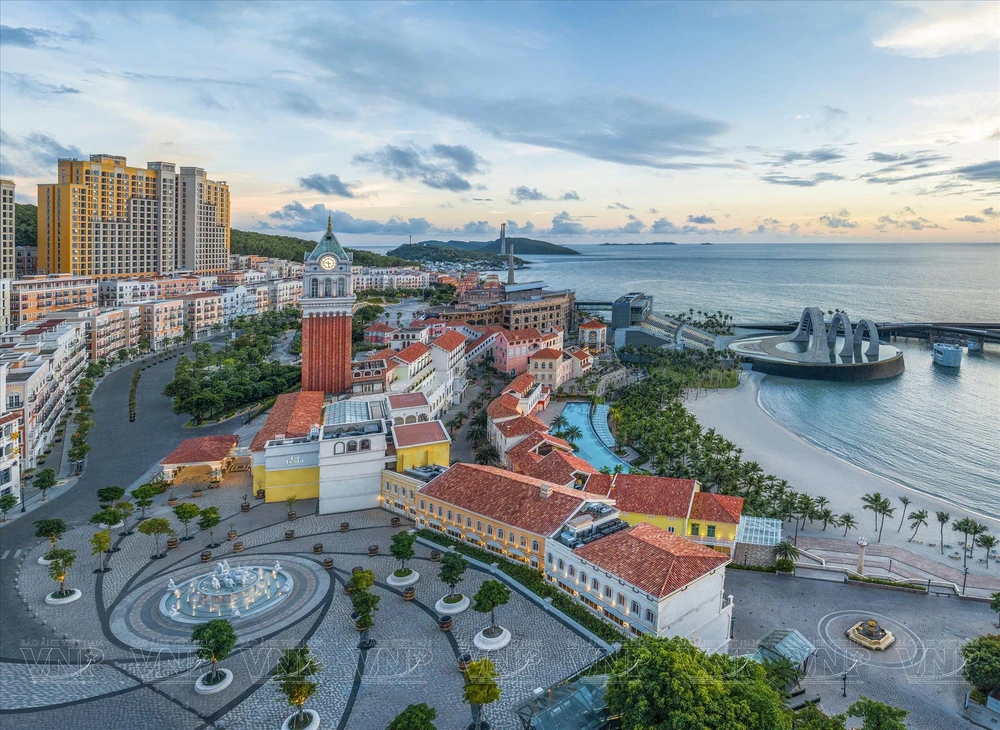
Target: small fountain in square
[(226, 592), (870, 635)]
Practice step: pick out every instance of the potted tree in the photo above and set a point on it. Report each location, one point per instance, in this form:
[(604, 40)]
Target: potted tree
[(51, 529), (185, 513), (215, 639), (196, 490), (126, 510), (232, 534), (142, 497), (154, 527), (481, 689), (172, 499), (290, 503), (293, 676), (209, 520), (245, 505), (414, 717), (491, 594), (7, 503), (453, 567), (60, 560), (401, 548), (44, 481), (365, 602), (100, 545), (109, 496)]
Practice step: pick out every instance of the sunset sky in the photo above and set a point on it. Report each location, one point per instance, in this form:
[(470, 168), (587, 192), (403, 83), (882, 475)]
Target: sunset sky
[(574, 122)]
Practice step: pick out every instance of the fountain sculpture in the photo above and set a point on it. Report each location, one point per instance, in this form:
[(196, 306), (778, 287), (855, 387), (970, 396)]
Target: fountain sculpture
[(226, 592), (870, 635)]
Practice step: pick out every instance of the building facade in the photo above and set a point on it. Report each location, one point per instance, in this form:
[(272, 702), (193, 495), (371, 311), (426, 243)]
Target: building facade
[(7, 251), (10, 442), (327, 307), (104, 218), (202, 313), (162, 321), (36, 297)]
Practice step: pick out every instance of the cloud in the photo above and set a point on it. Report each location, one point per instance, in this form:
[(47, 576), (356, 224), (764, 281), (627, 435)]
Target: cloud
[(39, 37), (654, 211), (899, 161), (441, 167), (774, 227), (328, 185), (523, 192), (917, 223), (476, 228), (838, 220), (299, 218), (634, 225), (991, 212), (801, 182), (970, 219), (526, 229), (619, 206), (701, 219), (571, 195), (34, 153), (820, 154), (406, 66), (563, 224), (988, 171), (945, 29), (33, 86)]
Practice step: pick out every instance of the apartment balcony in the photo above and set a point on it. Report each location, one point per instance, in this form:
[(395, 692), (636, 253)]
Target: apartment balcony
[(712, 541)]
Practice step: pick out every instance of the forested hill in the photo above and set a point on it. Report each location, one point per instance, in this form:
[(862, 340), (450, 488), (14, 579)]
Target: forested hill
[(522, 246), (251, 243)]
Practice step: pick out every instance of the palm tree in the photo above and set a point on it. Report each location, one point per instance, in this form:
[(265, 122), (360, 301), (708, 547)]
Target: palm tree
[(785, 550), (917, 519), (978, 529), (573, 433), (559, 422), (871, 502), (942, 518), (906, 503), (989, 542), (827, 516), (847, 521), (885, 509), (488, 455), (965, 525)]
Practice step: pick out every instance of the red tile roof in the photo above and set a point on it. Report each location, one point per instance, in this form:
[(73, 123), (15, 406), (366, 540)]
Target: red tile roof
[(529, 333), (379, 327), (521, 384), (202, 449), (651, 559), (387, 354), (649, 495), (524, 452), (558, 467), (292, 414), (413, 353), (717, 508), (504, 406), (431, 320), (450, 341), (520, 426), (407, 400), (593, 324), (506, 497), (419, 434), (581, 355), (549, 353)]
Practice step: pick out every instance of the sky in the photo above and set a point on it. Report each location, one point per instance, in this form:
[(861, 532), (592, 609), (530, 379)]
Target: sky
[(572, 122)]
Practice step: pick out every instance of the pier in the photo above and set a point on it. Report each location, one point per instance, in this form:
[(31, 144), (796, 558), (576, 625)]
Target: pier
[(931, 331)]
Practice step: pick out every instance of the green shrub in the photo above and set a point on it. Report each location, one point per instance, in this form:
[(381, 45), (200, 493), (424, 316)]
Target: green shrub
[(784, 565), (753, 568)]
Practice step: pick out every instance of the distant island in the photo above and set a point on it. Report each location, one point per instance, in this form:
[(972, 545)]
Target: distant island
[(654, 243), (436, 253), (524, 246), (290, 248)]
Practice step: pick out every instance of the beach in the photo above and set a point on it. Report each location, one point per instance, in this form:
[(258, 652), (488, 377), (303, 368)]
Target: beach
[(737, 415)]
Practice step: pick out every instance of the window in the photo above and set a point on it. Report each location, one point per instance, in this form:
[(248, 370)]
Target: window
[(607, 592), (711, 530), (534, 545), (500, 534), (649, 616), (634, 607), (421, 504), (449, 516), (366, 444), (411, 494), (439, 510), (395, 489), (560, 564), (314, 288), (468, 522), (458, 519), (387, 486), (479, 526), (328, 288), (694, 529), (572, 572), (489, 530), (670, 529), (548, 558), (621, 600), (523, 543)]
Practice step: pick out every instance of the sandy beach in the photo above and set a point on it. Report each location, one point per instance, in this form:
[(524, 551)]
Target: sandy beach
[(737, 415)]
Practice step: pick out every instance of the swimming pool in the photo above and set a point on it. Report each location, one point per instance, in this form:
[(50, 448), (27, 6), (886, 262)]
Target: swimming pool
[(589, 446)]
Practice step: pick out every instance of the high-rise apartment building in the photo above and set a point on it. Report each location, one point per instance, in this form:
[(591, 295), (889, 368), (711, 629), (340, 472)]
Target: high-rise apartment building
[(105, 219), (6, 250)]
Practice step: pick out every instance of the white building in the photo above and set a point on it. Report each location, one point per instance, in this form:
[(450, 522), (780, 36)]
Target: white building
[(10, 442), (202, 211), (7, 250)]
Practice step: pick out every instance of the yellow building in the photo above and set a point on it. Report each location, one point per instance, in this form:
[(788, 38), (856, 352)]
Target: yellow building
[(106, 219), (421, 444)]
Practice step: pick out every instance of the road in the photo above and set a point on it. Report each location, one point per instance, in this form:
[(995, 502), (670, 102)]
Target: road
[(120, 453)]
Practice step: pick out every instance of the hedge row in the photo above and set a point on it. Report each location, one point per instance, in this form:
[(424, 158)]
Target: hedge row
[(754, 568), (886, 582), (534, 582)]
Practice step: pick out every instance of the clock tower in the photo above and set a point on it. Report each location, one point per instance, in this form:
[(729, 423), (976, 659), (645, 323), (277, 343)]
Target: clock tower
[(327, 307)]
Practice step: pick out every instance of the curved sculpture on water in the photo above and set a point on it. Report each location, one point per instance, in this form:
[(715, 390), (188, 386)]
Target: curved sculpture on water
[(841, 320), (811, 329), (859, 333)]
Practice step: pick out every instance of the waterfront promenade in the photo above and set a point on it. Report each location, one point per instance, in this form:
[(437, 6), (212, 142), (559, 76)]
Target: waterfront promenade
[(736, 415)]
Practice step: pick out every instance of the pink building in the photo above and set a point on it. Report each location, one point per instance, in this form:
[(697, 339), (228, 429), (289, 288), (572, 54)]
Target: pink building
[(512, 348)]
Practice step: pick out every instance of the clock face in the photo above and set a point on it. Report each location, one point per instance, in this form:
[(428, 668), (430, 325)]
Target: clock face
[(328, 262)]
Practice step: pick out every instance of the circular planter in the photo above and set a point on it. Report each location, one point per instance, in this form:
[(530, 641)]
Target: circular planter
[(345, 526), (172, 542), (215, 485), (245, 507), (49, 599), (394, 522), (113, 527), (291, 516), (313, 721), (444, 623), (463, 662), (318, 547), (289, 534), (43, 561), (372, 550), (356, 569), (238, 546), (210, 689), (196, 492), (409, 593), (452, 609), (172, 502), (260, 494), (408, 580), (206, 556), (232, 535), (328, 563), (436, 555), (486, 643)]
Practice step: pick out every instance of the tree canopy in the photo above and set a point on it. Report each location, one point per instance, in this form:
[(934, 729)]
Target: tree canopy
[(982, 663), (414, 717)]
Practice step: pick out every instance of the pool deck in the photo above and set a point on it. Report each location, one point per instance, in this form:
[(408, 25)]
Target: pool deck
[(590, 446)]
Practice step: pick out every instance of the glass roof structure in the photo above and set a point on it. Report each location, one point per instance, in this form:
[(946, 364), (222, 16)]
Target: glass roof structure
[(758, 530), (571, 706), (784, 643), (346, 411)]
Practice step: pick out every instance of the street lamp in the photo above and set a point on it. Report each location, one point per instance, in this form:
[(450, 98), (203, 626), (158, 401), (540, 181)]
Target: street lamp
[(843, 678), (965, 577)]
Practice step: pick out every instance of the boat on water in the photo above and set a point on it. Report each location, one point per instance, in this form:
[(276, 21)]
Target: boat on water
[(949, 356), (975, 346)]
